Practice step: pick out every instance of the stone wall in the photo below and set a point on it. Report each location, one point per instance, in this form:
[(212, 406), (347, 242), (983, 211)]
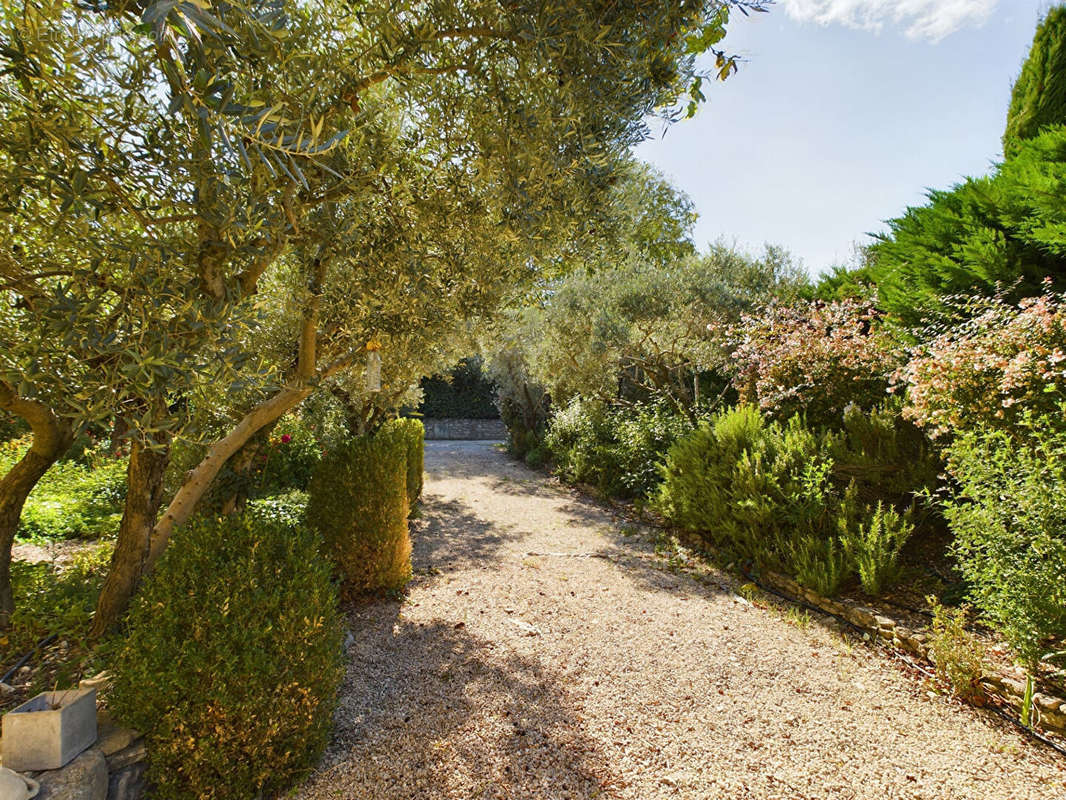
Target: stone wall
[(472, 429)]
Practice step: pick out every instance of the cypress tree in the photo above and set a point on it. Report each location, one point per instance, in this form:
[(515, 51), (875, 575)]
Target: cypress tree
[(1039, 94)]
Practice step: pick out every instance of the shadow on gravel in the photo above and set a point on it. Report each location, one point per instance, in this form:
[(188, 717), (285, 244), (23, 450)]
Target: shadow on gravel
[(448, 536), (432, 711)]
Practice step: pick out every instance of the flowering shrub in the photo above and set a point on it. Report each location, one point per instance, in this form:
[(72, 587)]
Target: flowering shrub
[(814, 358), (1005, 361)]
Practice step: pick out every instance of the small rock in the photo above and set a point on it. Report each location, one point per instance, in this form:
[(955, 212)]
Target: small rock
[(131, 755), (884, 623), (111, 738), (84, 778), (97, 681), (127, 784), (863, 617)]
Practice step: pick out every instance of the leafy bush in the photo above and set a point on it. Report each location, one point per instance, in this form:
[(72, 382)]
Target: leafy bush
[(1038, 98), (1005, 362), (579, 438), (1008, 517), (523, 403), (75, 498), (289, 508), (618, 450), (535, 458), (414, 433), (232, 659), (814, 358), (759, 488), (1004, 230), (874, 546), (819, 562), (358, 502), (957, 655)]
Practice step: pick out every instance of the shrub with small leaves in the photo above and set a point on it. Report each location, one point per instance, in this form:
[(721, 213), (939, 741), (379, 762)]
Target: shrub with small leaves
[(1008, 517), (1003, 362), (618, 450), (750, 485), (232, 659), (358, 503), (819, 562)]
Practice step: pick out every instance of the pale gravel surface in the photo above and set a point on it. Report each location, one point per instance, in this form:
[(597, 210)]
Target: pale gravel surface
[(506, 675)]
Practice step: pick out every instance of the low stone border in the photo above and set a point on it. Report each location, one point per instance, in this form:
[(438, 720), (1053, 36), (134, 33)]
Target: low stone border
[(1050, 710)]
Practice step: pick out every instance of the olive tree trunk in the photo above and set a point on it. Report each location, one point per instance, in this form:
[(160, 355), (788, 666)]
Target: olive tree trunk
[(144, 494), (52, 437)]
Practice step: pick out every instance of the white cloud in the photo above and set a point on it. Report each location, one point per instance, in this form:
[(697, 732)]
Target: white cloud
[(920, 19)]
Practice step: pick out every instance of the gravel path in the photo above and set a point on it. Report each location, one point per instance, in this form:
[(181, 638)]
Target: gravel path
[(605, 674)]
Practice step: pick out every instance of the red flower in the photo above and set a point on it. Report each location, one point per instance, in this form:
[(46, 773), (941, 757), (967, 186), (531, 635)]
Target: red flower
[(285, 438)]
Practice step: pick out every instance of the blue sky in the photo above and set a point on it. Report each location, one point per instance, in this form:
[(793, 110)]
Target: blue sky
[(845, 112)]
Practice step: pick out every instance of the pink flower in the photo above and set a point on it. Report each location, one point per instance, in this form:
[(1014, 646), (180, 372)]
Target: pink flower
[(285, 438)]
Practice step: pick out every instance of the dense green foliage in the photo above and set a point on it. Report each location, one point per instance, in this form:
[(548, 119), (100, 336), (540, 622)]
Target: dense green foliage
[(231, 661), (287, 460), (1009, 523), (750, 485), (884, 456), (617, 450), (774, 492), (874, 546), (465, 393), (1038, 98), (358, 503), (53, 599), (1004, 230)]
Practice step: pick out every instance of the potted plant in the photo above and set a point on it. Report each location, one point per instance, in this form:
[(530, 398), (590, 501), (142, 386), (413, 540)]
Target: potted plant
[(49, 730)]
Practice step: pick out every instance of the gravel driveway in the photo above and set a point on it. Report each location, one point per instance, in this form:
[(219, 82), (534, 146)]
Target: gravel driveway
[(544, 651)]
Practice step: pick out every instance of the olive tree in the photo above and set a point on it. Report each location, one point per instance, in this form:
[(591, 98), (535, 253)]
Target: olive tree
[(191, 150)]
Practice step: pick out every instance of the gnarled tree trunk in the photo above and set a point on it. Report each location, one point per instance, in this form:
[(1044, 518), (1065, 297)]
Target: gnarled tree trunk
[(144, 495), (52, 437)]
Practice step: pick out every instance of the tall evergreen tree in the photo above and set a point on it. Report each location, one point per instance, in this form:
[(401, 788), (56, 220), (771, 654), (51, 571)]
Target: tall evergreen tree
[(1039, 95)]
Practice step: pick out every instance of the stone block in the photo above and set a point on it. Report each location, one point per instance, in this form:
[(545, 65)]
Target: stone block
[(49, 730)]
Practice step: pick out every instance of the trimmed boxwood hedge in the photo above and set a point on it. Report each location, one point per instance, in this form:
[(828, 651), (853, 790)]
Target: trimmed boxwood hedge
[(414, 433), (358, 503), (232, 659)]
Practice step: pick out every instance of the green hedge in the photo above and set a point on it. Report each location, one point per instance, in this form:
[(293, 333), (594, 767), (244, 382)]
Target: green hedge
[(358, 502), (464, 394), (232, 659), (1008, 516), (414, 433)]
